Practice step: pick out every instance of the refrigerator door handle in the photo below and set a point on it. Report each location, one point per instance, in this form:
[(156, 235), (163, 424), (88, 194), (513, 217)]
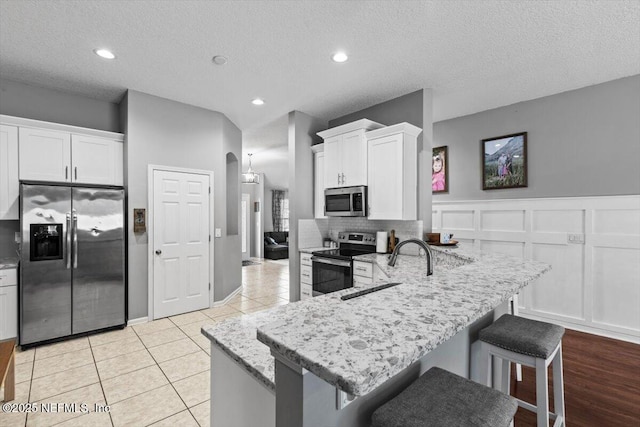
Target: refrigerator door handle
[(75, 240), (68, 240)]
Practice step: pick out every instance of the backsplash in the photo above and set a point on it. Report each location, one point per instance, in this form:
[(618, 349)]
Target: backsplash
[(311, 232)]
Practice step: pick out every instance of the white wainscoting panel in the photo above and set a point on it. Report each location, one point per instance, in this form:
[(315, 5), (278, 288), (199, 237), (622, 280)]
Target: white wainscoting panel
[(592, 243), (508, 220)]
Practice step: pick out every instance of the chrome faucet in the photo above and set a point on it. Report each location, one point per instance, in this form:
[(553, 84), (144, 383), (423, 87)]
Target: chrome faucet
[(422, 244)]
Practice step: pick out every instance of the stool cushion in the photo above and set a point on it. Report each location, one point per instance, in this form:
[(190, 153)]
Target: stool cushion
[(524, 336), (439, 398)]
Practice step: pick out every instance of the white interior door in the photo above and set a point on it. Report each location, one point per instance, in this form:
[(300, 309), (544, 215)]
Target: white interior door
[(181, 218), (246, 226)]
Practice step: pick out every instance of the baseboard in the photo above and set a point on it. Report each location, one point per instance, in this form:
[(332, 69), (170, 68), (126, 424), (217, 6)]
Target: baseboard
[(138, 321), (226, 300), (584, 328)]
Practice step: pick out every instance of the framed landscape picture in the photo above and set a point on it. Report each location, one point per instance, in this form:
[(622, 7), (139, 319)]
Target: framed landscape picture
[(504, 161), (440, 170)]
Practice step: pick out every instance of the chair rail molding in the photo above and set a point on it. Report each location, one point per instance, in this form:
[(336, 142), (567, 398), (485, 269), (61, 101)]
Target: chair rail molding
[(593, 244)]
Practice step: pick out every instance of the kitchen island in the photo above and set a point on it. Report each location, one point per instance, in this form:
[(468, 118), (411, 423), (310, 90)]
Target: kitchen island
[(328, 362)]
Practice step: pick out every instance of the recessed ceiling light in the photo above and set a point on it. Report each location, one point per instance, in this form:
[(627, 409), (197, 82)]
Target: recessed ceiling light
[(219, 60), (258, 101), (339, 57), (104, 53)]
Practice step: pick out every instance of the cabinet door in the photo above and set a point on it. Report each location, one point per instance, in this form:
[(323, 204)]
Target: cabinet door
[(8, 312), (96, 160), (354, 158), (318, 185), (385, 177), (9, 187), (45, 155), (332, 162)]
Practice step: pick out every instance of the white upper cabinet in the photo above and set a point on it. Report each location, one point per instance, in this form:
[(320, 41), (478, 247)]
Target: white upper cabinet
[(318, 180), (53, 152), (45, 155), (8, 172), (393, 172), (96, 160), (345, 148)]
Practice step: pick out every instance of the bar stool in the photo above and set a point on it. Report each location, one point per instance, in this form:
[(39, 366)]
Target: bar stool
[(530, 343), (441, 399)]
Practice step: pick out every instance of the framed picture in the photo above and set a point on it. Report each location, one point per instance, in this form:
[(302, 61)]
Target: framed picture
[(440, 170), (504, 161)]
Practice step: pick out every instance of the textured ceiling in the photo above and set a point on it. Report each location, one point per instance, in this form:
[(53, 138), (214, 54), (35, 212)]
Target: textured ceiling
[(475, 55)]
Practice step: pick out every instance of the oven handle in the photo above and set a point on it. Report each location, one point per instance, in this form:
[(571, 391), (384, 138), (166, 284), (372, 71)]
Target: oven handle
[(331, 261)]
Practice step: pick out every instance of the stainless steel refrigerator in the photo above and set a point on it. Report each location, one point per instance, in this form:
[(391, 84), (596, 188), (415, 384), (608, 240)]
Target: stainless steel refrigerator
[(72, 261)]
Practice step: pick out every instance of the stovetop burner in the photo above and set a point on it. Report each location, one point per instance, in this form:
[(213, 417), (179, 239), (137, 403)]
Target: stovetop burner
[(351, 244)]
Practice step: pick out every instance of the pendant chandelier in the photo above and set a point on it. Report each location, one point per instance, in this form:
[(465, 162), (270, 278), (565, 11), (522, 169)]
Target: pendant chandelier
[(250, 177)]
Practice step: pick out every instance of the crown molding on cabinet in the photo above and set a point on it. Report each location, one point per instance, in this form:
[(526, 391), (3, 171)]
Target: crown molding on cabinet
[(39, 124)]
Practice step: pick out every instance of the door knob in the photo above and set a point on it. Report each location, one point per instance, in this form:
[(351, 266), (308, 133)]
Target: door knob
[(158, 252)]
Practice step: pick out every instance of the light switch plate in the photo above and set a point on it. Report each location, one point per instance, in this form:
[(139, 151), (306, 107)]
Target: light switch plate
[(218, 232)]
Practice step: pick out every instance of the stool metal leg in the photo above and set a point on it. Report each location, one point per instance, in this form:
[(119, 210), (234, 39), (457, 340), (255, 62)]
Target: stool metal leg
[(542, 393), (558, 388)]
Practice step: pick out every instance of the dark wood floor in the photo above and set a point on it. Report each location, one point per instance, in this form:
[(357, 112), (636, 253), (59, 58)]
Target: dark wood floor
[(601, 381)]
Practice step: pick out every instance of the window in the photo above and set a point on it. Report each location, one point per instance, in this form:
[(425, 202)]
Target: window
[(280, 210), (285, 212)]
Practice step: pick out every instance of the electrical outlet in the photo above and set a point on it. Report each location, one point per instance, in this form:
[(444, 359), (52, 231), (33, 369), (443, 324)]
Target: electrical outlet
[(16, 237), (576, 239), (218, 232)]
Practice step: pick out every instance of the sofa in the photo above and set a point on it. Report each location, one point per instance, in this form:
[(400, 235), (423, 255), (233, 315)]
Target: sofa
[(276, 244)]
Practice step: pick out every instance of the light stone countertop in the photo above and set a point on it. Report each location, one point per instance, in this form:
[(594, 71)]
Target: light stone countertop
[(8, 263), (358, 344), (310, 250)]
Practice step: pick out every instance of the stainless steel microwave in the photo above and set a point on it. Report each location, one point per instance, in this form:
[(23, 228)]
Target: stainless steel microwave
[(346, 201)]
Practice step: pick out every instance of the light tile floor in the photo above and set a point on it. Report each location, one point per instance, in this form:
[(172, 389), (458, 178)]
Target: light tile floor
[(155, 374)]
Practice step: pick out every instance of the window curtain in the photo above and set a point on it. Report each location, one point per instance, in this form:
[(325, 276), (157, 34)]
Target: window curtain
[(277, 206)]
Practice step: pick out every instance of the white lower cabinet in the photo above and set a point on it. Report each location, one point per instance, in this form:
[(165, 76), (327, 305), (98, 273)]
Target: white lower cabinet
[(306, 276), (8, 304), (362, 273)]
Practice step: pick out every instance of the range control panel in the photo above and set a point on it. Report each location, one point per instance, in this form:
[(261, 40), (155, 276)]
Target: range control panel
[(357, 237)]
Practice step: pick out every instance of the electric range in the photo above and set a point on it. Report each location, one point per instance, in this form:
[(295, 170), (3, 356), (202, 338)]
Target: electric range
[(333, 268)]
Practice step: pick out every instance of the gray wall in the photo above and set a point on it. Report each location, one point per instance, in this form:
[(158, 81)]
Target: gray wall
[(585, 142), (8, 247), (302, 134), (164, 132), (415, 108), (33, 102)]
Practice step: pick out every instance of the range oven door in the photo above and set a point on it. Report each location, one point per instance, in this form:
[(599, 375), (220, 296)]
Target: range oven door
[(330, 275)]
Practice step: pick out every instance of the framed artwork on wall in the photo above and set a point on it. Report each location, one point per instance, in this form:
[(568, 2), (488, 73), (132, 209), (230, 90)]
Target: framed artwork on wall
[(440, 170), (504, 161)]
